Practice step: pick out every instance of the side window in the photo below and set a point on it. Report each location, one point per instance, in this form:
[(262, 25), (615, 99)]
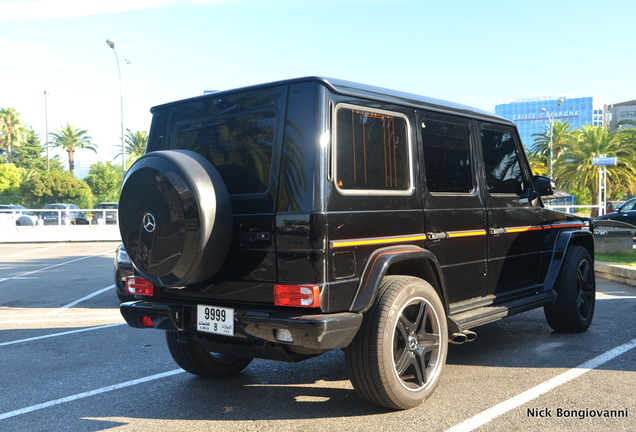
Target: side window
[(372, 152), (447, 157), (628, 207), (501, 160), (239, 147)]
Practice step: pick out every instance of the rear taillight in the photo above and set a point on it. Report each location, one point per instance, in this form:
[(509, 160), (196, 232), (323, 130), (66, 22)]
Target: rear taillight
[(297, 295), (136, 285)]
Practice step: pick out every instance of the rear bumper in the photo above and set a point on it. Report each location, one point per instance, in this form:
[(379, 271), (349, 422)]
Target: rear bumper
[(310, 333)]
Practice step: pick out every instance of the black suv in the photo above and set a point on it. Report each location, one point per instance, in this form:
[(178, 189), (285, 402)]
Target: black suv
[(284, 220)]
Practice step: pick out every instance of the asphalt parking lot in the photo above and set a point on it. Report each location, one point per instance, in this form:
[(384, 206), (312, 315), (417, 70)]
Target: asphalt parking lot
[(70, 363)]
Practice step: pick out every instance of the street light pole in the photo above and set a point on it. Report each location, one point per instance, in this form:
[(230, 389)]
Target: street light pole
[(111, 44), (46, 129), (551, 119)]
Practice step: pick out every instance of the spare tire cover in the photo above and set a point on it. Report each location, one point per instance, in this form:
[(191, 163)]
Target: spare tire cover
[(175, 217)]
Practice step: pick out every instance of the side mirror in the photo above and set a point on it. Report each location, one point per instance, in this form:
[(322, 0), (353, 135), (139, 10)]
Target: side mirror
[(543, 185)]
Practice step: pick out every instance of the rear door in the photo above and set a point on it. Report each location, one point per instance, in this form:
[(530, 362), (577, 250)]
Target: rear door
[(238, 134), (454, 212)]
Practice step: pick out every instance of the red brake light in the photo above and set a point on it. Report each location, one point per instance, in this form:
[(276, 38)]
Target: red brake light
[(297, 295), (136, 285)]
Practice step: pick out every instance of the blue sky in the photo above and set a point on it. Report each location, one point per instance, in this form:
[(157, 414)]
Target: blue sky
[(479, 53)]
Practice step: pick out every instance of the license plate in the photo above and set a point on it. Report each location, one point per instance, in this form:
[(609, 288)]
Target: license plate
[(214, 319)]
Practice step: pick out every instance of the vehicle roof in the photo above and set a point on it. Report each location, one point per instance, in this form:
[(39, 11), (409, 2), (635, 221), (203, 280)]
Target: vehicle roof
[(369, 92), (11, 206), (58, 205)]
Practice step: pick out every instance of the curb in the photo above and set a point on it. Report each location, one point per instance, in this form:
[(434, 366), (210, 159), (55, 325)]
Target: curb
[(616, 272)]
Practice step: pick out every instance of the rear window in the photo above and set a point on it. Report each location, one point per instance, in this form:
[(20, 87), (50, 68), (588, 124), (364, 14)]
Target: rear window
[(372, 152), (240, 148)]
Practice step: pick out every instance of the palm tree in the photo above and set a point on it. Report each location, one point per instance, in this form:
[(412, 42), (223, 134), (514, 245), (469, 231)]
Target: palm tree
[(628, 123), (575, 164), (71, 139), (548, 145), (12, 131), (136, 143), (537, 163)]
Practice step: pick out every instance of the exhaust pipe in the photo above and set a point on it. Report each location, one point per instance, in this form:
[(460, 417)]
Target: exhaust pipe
[(470, 335), (458, 338), (465, 336)]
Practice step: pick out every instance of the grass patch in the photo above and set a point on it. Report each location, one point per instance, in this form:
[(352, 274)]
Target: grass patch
[(623, 259)]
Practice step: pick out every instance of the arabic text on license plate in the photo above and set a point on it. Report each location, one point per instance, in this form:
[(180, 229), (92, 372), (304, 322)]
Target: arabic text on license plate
[(214, 319)]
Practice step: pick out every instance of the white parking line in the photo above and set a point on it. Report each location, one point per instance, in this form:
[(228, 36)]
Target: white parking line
[(88, 394), (53, 266), (17, 318), (70, 305), (525, 397), (31, 339), (32, 250)]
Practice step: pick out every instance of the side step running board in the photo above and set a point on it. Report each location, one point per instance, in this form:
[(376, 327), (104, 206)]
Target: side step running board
[(463, 321)]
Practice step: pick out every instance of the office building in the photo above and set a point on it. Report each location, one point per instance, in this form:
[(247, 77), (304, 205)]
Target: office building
[(533, 115)]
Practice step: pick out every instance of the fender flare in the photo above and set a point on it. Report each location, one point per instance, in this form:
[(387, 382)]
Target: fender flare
[(382, 259), (564, 240)]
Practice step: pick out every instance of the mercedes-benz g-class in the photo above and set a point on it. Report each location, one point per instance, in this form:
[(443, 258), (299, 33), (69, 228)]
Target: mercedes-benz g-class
[(284, 220)]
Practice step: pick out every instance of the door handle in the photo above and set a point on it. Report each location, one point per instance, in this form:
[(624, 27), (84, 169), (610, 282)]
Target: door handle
[(497, 231), (437, 235)]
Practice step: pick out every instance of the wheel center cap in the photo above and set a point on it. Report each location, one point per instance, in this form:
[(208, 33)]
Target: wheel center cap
[(412, 342)]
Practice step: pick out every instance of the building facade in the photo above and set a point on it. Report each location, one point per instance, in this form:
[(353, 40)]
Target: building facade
[(621, 111), (534, 115)]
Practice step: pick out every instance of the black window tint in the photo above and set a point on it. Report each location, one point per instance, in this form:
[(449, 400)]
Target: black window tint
[(447, 157), (503, 170), (372, 151), (239, 147)]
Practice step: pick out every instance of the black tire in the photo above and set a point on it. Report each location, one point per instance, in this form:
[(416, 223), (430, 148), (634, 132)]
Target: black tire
[(573, 310), (396, 359), (192, 357), (175, 217)]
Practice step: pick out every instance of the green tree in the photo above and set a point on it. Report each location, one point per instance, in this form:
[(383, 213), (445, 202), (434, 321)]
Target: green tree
[(72, 139), (56, 186), (629, 123), (12, 131), (627, 134), (104, 179), (31, 155), (575, 169), (10, 179), (135, 147), (537, 163), (549, 144)]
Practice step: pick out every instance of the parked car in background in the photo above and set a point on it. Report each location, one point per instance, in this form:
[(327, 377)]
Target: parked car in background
[(70, 215), (107, 217), (625, 213), (17, 214), (123, 268)]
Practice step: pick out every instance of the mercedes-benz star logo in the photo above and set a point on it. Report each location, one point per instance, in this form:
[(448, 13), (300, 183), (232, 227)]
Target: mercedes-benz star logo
[(149, 222)]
